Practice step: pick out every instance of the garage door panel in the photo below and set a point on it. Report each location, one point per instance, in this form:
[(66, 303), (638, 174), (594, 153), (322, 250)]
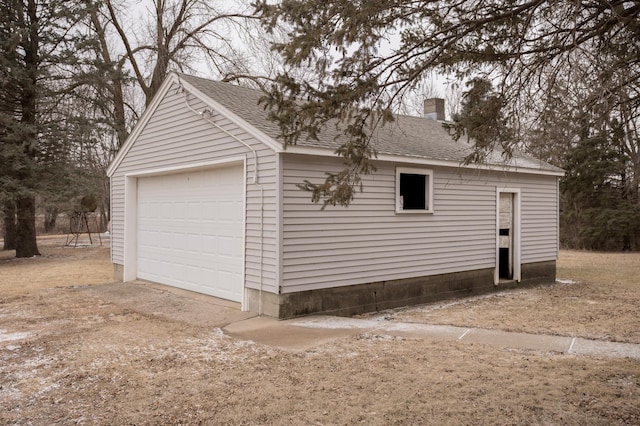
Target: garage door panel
[(195, 244), (190, 228)]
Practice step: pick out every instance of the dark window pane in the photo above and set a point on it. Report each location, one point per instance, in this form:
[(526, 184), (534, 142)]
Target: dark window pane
[(413, 191)]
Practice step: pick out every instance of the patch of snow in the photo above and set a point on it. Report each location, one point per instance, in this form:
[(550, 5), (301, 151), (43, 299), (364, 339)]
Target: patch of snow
[(564, 281), (379, 336), (45, 389), (391, 313), (221, 348), (5, 337), (10, 391), (336, 322), (419, 327)]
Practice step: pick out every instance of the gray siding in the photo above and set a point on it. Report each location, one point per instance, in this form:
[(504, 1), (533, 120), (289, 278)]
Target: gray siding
[(369, 242), (539, 219), (176, 137)]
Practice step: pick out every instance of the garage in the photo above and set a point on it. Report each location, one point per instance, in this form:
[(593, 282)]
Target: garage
[(190, 229), (205, 196)]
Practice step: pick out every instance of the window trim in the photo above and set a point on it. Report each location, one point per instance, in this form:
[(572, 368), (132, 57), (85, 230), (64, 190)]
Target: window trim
[(428, 189)]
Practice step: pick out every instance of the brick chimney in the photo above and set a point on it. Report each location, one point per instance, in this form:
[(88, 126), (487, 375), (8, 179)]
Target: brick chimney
[(434, 109)]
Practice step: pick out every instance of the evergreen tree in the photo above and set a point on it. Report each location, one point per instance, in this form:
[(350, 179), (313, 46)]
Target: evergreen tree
[(596, 213), (596, 140), (9, 224), (38, 50), (481, 120), (20, 51)]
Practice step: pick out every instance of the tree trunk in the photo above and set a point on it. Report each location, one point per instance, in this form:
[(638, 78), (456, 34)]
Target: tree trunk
[(119, 115), (50, 216), (9, 210), (26, 245), (116, 82), (162, 53)]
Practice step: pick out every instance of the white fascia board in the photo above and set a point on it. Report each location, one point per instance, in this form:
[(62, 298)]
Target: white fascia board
[(141, 124), (216, 107), (328, 152)]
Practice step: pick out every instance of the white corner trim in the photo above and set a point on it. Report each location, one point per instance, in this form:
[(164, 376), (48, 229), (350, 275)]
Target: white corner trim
[(130, 258), (279, 220), (558, 219)]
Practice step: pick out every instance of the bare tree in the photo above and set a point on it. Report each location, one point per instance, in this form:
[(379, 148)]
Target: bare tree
[(139, 44)]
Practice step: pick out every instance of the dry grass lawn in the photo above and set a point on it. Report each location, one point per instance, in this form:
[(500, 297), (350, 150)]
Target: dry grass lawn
[(58, 266), (67, 356)]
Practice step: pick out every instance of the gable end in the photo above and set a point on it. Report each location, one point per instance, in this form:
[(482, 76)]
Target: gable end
[(157, 99)]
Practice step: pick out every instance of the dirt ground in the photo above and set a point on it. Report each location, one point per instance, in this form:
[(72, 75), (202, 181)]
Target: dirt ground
[(71, 356)]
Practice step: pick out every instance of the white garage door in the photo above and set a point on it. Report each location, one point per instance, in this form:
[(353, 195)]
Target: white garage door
[(190, 228)]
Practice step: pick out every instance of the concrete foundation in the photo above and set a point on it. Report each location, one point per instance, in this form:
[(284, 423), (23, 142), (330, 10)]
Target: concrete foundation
[(539, 273), (378, 296), (270, 305), (118, 272)]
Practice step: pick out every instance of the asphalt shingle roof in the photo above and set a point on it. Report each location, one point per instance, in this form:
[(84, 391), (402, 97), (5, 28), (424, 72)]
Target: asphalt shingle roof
[(407, 136)]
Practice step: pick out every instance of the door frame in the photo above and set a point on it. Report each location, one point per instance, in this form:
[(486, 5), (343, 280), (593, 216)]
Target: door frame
[(130, 267), (517, 270)]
